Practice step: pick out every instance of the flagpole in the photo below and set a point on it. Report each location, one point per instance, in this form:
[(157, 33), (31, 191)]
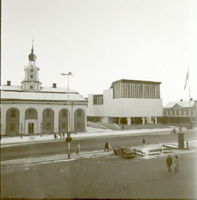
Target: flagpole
[(189, 87), (190, 116)]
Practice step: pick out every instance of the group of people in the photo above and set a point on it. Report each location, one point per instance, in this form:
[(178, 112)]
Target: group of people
[(60, 135), (172, 162)]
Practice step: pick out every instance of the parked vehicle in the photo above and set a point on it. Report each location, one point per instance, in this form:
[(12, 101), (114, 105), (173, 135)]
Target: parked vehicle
[(125, 152)]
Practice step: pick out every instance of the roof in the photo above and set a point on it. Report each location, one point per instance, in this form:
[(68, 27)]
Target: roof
[(134, 81), (183, 104), (45, 93)]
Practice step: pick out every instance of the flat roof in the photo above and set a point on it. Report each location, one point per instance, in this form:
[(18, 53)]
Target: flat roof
[(134, 81)]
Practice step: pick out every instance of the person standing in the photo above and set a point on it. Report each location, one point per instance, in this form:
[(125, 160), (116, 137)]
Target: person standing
[(78, 148), (169, 162), (106, 147), (176, 164), (143, 141)]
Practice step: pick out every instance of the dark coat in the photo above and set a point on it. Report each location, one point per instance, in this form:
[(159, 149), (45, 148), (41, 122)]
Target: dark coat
[(169, 161)]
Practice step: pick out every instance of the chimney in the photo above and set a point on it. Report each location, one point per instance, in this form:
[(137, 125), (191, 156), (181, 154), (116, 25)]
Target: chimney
[(54, 85), (8, 83)]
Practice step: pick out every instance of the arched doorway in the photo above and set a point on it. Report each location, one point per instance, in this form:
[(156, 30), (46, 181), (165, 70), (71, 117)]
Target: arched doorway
[(12, 122), (79, 120), (63, 120), (31, 121), (48, 121)]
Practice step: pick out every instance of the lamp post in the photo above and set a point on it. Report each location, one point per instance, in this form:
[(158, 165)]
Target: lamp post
[(68, 139)]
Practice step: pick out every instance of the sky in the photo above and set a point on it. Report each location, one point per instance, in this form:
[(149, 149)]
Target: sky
[(101, 41)]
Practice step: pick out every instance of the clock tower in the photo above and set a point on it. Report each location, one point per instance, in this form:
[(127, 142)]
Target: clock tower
[(31, 81)]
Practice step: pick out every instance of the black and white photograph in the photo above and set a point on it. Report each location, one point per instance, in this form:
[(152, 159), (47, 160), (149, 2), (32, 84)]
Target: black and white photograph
[(98, 99)]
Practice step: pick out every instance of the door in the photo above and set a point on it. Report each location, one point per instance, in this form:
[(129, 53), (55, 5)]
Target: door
[(30, 128)]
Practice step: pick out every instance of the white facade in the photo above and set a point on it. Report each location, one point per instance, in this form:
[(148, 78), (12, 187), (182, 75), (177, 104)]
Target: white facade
[(33, 109), (181, 112), (148, 109)]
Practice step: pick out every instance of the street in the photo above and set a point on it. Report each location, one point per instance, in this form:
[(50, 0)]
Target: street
[(107, 176), (60, 146), (43, 171)]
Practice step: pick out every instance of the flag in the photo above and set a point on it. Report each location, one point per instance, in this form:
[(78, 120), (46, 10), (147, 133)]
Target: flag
[(187, 78)]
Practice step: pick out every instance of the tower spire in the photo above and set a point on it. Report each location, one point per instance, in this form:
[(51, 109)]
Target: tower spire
[(32, 56)]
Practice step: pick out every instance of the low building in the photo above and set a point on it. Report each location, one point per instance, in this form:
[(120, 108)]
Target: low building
[(127, 102), (31, 108), (180, 112)]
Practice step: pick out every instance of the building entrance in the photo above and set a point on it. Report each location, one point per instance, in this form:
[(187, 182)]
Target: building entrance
[(30, 128)]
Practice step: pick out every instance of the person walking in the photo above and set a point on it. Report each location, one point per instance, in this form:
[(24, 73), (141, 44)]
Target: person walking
[(169, 162), (78, 148), (176, 164)]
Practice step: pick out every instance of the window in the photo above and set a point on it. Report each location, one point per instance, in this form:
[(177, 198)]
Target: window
[(48, 113), (31, 87), (63, 125), (12, 127), (31, 76), (13, 113), (64, 113), (48, 126), (79, 113)]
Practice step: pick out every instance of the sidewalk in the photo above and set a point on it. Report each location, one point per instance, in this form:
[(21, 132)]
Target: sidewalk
[(91, 133), (93, 154)]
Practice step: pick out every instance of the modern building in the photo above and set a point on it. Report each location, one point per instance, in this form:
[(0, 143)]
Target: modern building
[(180, 112), (30, 108), (127, 102)]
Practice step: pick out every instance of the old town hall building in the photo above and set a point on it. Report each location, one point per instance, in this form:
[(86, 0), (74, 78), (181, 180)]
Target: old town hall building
[(31, 108)]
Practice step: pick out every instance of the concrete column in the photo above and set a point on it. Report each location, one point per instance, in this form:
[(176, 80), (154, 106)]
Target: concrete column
[(3, 121), (155, 120), (22, 121), (119, 120), (39, 122), (56, 121), (128, 120), (143, 120), (149, 121), (85, 119)]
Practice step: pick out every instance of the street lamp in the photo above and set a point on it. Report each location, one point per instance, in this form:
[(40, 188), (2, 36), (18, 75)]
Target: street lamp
[(68, 139)]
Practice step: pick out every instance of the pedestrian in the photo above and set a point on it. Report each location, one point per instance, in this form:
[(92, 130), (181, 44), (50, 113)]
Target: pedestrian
[(187, 144), (176, 164), (63, 136), (78, 148), (106, 147), (55, 136), (143, 141), (169, 162)]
